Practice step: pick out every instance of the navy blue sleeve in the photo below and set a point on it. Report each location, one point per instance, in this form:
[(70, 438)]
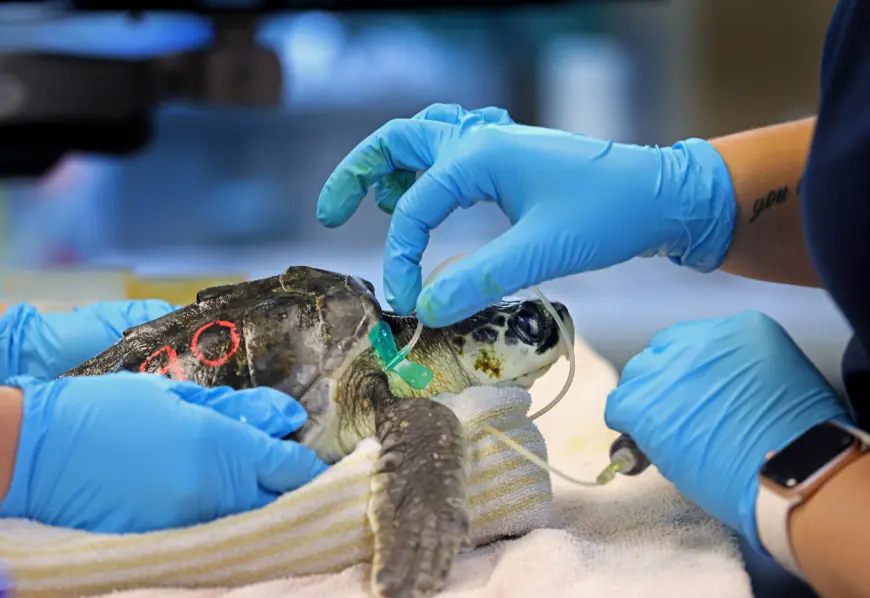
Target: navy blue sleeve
[(835, 192)]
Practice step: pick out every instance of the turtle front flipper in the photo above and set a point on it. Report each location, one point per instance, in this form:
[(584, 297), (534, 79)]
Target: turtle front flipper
[(418, 510)]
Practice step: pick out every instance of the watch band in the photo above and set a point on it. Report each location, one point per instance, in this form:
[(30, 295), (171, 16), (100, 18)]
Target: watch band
[(772, 512), (771, 515)]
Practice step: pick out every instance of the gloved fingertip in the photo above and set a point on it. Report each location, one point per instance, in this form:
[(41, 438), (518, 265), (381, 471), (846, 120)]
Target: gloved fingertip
[(341, 195), (267, 409), (327, 214), (283, 405), (438, 305), (287, 465), (402, 282), (402, 303), (427, 309), (480, 279), (349, 183), (263, 499)]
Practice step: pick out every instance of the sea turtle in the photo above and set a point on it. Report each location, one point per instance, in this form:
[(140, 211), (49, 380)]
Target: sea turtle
[(306, 332)]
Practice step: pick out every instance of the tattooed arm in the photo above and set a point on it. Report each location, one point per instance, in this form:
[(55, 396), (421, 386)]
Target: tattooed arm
[(766, 166)]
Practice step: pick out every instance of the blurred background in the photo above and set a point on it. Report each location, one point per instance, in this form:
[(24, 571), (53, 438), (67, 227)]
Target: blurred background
[(231, 193)]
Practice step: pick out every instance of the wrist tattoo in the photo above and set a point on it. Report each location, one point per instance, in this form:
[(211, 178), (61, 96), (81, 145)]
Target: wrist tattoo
[(773, 198)]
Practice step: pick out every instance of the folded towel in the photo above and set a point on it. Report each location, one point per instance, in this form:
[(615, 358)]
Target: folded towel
[(320, 528)]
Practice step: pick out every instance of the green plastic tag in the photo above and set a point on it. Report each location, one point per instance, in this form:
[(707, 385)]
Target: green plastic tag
[(417, 376)]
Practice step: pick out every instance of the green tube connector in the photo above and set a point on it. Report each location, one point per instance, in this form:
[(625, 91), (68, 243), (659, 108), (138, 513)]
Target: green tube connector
[(415, 375)]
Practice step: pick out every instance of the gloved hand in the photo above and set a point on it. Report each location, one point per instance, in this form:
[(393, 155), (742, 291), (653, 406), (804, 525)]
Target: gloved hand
[(575, 203), (125, 452), (47, 345), (707, 400)]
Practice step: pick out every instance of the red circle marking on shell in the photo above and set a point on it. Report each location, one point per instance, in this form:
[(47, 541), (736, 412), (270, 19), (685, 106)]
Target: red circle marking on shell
[(234, 335), (173, 364)]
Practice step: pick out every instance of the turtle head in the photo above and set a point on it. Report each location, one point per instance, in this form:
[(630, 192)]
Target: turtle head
[(512, 343)]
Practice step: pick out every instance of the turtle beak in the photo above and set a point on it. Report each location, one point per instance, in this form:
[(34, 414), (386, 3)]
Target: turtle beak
[(569, 325)]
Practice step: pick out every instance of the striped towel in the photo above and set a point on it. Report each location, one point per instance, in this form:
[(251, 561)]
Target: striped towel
[(318, 529)]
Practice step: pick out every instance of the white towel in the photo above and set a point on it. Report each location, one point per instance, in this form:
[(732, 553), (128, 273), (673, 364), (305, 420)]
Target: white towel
[(635, 537)]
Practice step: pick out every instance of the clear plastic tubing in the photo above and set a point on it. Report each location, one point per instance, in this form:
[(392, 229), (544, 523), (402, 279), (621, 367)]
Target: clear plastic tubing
[(567, 340)]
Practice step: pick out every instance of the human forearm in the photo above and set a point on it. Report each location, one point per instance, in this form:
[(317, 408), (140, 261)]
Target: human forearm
[(830, 534), (10, 425), (766, 166)]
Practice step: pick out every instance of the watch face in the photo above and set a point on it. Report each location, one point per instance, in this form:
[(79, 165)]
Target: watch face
[(807, 454)]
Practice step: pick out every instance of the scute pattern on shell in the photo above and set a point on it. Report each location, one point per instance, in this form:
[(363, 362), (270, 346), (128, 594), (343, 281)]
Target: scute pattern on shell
[(298, 327)]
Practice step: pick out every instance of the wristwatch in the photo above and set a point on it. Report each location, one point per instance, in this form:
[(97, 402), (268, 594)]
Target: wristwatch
[(794, 474)]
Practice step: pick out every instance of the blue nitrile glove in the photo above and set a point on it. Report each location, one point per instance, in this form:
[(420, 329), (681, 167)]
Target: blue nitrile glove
[(575, 203), (127, 452), (47, 345), (707, 400)]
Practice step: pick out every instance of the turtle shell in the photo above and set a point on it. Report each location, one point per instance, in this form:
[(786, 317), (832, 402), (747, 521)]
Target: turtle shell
[(295, 332), (305, 337)]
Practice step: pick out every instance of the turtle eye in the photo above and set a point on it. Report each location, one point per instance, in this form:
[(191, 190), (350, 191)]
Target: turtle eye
[(527, 327)]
